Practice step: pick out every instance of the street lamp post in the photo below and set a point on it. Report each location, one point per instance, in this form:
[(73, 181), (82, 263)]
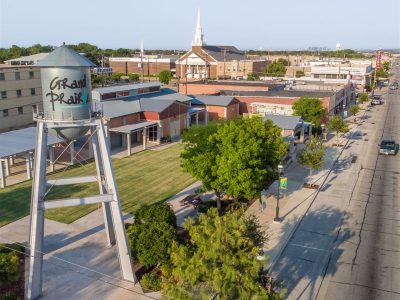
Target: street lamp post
[(277, 219), (324, 132)]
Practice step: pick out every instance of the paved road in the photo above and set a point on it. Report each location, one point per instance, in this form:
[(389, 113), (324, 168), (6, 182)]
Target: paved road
[(367, 265), (347, 246)]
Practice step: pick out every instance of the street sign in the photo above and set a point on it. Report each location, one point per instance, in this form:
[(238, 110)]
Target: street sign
[(283, 181)]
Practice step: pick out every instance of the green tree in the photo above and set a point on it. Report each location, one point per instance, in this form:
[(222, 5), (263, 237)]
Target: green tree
[(299, 73), (249, 151), (165, 76), (156, 213), (354, 109), (283, 61), (363, 97), (134, 77), (310, 109), (9, 267), (152, 234), (116, 76), (338, 125), (386, 66), (275, 69), (199, 156), (153, 243), (312, 156), (219, 262), (381, 73), (253, 77)]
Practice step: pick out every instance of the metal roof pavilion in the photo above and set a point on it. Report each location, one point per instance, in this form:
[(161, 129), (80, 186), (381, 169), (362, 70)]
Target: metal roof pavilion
[(284, 122), (133, 127), (20, 141)]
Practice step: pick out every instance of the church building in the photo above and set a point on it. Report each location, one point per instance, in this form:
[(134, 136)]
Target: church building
[(215, 62)]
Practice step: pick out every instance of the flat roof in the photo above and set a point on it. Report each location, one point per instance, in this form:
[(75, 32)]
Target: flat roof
[(126, 87), (236, 83), (282, 93), (133, 127), (21, 140), (284, 122), (213, 100)]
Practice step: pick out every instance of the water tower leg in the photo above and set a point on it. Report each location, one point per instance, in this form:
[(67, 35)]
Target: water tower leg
[(108, 222), (34, 285), (116, 212)]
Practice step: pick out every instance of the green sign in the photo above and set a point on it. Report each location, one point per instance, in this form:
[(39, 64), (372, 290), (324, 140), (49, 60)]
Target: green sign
[(283, 182)]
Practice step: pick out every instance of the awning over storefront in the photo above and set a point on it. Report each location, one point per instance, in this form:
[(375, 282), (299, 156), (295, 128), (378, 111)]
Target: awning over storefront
[(133, 127)]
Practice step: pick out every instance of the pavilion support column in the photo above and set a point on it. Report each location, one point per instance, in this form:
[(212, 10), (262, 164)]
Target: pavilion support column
[(197, 119), (12, 162), (145, 138), (187, 120), (2, 175), (302, 134), (128, 143), (52, 159), (29, 165), (159, 129), (206, 116), (310, 130), (7, 166)]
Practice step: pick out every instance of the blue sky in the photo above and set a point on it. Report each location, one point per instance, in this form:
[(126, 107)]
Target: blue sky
[(163, 24)]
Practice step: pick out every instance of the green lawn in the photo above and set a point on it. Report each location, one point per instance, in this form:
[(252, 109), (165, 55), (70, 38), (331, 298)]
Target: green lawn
[(143, 178)]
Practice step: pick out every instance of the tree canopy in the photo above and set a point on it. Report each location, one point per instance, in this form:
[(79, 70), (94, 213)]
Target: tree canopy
[(275, 69), (249, 151), (363, 97), (310, 109), (253, 77), (338, 125), (165, 76), (152, 234), (236, 157), (299, 73), (220, 260), (312, 156), (354, 109)]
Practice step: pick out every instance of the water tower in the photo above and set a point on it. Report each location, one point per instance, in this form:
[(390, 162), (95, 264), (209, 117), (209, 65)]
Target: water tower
[(67, 113)]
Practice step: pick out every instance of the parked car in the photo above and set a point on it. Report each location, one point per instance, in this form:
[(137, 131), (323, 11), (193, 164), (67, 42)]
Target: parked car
[(376, 100), (388, 147)]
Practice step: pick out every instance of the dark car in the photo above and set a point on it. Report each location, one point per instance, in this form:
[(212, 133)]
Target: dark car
[(388, 147)]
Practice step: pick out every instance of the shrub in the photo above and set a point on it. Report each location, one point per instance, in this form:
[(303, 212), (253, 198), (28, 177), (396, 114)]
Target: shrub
[(9, 267), (165, 76), (151, 281), (10, 296), (156, 213), (134, 77), (153, 243)]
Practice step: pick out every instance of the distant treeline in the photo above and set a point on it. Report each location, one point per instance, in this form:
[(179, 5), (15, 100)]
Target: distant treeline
[(346, 53), (95, 53), (92, 52)]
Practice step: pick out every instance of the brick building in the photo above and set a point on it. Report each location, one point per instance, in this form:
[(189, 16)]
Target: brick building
[(215, 87), (149, 64), (215, 62)]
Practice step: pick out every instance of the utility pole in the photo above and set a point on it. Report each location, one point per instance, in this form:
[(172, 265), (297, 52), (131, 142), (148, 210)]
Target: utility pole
[(186, 74), (141, 60), (180, 69)]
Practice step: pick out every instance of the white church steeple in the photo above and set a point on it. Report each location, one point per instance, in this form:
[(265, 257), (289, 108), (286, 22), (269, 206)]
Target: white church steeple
[(198, 36)]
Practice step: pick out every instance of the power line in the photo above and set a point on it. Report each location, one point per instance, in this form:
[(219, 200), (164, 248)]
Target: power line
[(76, 271)]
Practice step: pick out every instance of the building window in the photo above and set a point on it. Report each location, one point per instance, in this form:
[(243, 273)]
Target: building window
[(33, 91), (17, 76), (2, 76), (5, 112), (20, 110), (3, 95), (19, 93), (31, 75)]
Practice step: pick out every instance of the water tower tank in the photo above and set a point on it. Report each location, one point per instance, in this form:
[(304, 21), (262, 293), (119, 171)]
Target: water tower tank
[(66, 89)]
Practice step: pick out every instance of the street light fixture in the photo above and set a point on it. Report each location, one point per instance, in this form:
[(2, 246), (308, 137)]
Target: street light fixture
[(277, 219)]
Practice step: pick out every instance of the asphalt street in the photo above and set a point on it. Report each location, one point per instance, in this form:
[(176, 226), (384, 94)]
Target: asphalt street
[(347, 245), (367, 265)]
